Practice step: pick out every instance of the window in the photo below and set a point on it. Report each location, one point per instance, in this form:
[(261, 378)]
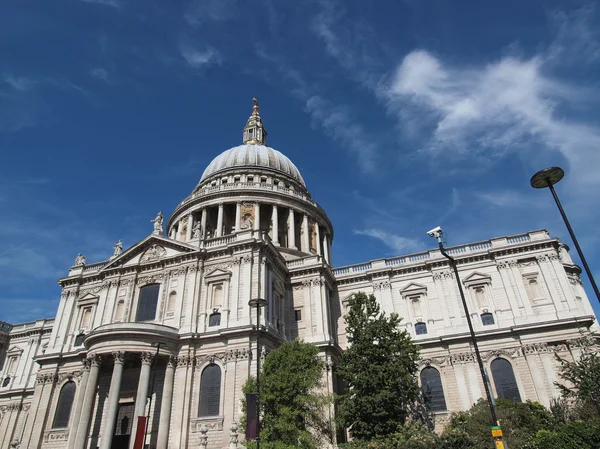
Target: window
[(147, 302), (534, 288), (210, 391), (504, 380), (217, 296), (433, 391), (224, 181), (6, 381), (263, 180), (214, 319), (298, 315), (119, 311), (416, 305), (12, 363), (250, 178), (480, 297), (79, 339), (487, 319), (421, 328), (171, 302), (86, 316), (65, 403)]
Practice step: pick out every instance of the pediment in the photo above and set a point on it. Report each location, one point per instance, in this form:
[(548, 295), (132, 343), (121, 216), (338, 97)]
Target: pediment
[(152, 249), (477, 278), (217, 273), (414, 288), (88, 298), (15, 350)]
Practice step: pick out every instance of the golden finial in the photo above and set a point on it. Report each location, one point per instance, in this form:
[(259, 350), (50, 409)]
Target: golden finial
[(255, 107)]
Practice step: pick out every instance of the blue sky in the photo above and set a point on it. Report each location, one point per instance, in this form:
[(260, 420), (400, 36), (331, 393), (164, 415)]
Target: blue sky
[(401, 116)]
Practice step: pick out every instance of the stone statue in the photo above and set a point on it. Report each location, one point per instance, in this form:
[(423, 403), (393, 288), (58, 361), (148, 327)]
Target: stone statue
[(118, 249), (197, 230), (158, 224), (80, 260)]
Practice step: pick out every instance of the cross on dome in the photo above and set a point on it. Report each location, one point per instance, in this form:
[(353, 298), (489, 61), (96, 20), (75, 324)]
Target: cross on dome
[(254, 131)]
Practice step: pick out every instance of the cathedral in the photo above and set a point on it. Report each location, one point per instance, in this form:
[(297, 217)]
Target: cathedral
[(165, 329)]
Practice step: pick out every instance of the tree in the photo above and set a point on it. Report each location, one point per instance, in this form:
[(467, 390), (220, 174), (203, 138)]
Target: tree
[(584, 377), (293, 410), (379, 368)]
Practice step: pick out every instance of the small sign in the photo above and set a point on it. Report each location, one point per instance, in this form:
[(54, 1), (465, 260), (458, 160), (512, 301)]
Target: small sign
[(499, 444), (496, 431)]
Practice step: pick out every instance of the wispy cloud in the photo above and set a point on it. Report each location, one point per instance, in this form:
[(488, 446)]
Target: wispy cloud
[(397, 243), (200, 58), (100, 74), (20, 83), (112, 3), (201, 11)]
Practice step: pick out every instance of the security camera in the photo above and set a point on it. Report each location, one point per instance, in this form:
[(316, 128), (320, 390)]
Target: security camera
[(435, 232)]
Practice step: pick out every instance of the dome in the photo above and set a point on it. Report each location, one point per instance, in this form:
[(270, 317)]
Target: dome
[(252, 155)]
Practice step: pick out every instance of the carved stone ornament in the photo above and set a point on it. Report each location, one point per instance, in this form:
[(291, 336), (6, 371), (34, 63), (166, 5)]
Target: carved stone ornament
[(118, 356), (154, 253), (204, 425), (184, 360), (147, 357), (150, 279), (502, 264), (56, 435), (233, 436), (95, 360)]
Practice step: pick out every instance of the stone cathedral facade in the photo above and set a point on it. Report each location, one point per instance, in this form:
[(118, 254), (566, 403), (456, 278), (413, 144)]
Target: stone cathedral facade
[(163, 329)]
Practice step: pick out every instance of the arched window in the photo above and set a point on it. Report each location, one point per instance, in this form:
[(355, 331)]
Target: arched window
[(210, 391), (65, 403), (6, 381), (147, 302), (420, 328), (171, 301), (487, 319), (433, 391), (79, 339), (504, 380), (214, 319), (86, 316)]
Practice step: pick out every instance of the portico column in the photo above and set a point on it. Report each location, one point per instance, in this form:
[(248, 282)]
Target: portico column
[(203, 224), (305, 237), (318, 238), (142, 394), (173, 232), (219, 231), (79, 403), (291, 230), (238, 213), (257, 216), (165, 405), (275, 226), (190, 225), (326, 249), (88, 403), (112, 403)]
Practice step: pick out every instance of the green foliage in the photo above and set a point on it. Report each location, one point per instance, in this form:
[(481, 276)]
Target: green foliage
[(572, 435), (379, 368), (520, 422), (293, 412), (583, 383)]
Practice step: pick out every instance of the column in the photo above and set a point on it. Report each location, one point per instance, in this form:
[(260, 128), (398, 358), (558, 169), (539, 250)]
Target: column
[(165, 405), (257, 216), (88, 403), (326, 249), (291, 230), (79, 402), (305, 245), (329, 251), (318, 238), (275, 226), (190, 225), (112, 403), (172, 233), (219, 230), (203, 224), (142, 393), (238, 213)]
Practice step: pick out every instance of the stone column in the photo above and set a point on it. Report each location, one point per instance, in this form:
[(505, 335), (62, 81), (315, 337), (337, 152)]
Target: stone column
[(203, 223), (142, 393), (79, 402), (305, 245), (165, 405), (219, 230), (326, 249), (275, 226), (172, 234), (317, 230), (291, 230), (190, 225), (257, 216), (88, 403), (112, 403), (238, 214)]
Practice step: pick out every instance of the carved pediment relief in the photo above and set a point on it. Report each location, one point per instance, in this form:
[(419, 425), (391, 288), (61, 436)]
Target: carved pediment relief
[(154, 253), (477, 278), (413, 289)]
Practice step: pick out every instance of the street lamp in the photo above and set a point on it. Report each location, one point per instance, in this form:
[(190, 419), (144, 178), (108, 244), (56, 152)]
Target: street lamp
[(258, 303), (158, 345), (437, 233), (547, 178)]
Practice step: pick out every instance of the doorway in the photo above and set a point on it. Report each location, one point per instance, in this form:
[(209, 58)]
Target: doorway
[(123, 426)]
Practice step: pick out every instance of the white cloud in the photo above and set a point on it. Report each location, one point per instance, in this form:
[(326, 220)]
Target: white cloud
[(112, 3), (19, 83), (100, 73), (200, 58), (399, 244), (201, 11), (509, 199)]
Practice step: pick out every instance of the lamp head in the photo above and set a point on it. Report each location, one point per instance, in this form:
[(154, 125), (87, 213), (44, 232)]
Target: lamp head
[(257, 302), (546, 177)]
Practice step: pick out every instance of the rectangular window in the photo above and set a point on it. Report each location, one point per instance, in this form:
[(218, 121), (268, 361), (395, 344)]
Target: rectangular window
[(217, 296), (86, 316), (298, 315), (147, 303)]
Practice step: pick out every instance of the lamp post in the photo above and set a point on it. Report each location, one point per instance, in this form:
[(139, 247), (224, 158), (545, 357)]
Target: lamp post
[(496, 432), (547, 178), (158, 344), (258, 303)]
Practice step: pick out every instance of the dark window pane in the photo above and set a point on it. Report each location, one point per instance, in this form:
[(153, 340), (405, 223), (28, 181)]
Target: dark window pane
[(214, 319), (65, 403), (210, 391), (433, 391), (298, 315), (124, 419), (147, 303), (504, 380), (421, 328), (79, 340), (6, 381), (487, 319)]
